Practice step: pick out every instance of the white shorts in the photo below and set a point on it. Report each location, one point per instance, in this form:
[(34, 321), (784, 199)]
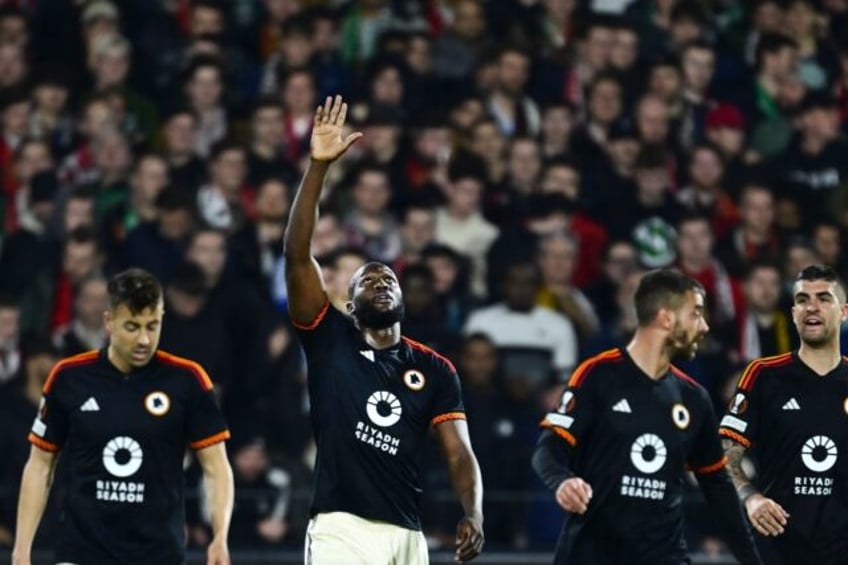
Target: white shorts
[(339, 538)]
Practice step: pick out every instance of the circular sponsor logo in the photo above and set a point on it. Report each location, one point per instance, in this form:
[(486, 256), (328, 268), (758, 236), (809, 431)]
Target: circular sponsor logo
[(383, 409), (414, 380), (157, 403), (648, 453), (680, 416), (122, 456), (819, 454)]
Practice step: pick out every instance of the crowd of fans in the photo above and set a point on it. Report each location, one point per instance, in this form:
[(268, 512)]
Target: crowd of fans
[(524, 162)]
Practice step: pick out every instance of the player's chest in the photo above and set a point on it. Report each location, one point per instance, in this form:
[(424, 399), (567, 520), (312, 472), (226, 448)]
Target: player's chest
[(661, 416), (803, 408), (382, 390), (121, 407)]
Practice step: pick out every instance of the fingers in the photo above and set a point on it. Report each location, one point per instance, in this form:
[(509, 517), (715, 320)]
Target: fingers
[(574, 495), (342, 114), (325, 113), (769, 518), (469, 543), (335, 110), (351, 139)]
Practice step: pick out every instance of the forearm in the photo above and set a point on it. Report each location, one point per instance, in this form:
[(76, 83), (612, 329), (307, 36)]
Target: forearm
[(467, 483), (218, 483), (35, 489), (551, 461), (728, 513), (304, 213), (734, 453)]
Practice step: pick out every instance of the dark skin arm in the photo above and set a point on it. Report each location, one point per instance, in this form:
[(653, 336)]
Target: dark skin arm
[(467, 484), (307, 293), (766, 515)]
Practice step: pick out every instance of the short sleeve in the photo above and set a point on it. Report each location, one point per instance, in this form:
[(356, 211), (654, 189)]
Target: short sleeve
[(740, 421), (574, 413), (706, 455), (314, 335), (447, 404), (205, 424), (50, 427)]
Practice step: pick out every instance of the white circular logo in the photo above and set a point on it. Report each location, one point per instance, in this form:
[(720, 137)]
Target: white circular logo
[(648, 445), (680, 416), (157, 403), (819, 454), (414, 380), (128, 450), (387, 402)]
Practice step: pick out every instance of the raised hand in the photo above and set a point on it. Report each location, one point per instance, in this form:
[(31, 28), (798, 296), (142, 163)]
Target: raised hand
[(327, 144)]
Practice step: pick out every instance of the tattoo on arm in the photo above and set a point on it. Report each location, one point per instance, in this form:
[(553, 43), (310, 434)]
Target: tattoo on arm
[(735, 453)]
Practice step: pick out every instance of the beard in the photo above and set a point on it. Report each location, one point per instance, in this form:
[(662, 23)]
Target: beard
[(681, 345), (373, 319)]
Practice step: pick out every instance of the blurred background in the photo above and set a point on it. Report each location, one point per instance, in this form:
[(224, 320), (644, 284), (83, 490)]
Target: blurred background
[(524, 163)]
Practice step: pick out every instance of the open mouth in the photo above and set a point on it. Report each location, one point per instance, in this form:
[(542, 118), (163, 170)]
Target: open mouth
[(382, 299), (813, 322)]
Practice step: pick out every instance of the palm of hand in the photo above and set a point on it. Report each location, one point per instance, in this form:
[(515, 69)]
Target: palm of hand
[(327, 143)]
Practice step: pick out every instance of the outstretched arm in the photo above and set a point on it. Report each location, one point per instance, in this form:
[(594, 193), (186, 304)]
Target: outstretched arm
[(307, 295), (767, 516), (468, 485)]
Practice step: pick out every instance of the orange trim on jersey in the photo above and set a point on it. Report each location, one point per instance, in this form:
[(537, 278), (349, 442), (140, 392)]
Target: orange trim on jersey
[(564, 434), (314, 323), (211, 440), (579, 374), (447, 417), (81, 359), (740, 439), (43, 444), (711, 468), (752, 371), (421, 347), (681, 375), (198, 371)]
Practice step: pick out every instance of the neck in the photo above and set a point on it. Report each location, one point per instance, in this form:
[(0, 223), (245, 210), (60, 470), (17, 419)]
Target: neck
[(264, 150), (764, 319), (768, 83), (755, 236), (813, 143), (381, 339), (179, 159), (459, 213), (648, 351), (119, 363), (694, 266), (823, 359)]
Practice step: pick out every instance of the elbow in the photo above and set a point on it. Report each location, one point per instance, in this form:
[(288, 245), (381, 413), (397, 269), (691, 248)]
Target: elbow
[(538, 461)]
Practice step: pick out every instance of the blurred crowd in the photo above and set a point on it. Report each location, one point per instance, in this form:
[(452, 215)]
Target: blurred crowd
[(524, 163)]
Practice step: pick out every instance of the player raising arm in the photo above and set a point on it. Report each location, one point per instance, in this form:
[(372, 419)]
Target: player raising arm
[(373, 396)]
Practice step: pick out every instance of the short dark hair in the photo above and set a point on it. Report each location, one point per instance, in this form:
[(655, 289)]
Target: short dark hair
[(662, 288), (820, 272), (771, 43), (136, 289)]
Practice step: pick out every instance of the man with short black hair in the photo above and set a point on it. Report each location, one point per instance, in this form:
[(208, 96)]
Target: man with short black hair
[(124, 415), (629, 425), (788, 413)]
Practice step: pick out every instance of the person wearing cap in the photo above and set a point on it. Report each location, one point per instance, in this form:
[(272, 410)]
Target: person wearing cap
[(99, 18)]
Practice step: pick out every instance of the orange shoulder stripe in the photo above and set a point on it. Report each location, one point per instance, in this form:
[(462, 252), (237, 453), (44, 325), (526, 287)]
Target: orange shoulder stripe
[(711, 468), (314, 323), (738, 438), (579, 374), (752, 371), (211, 440), (42, 444), (442, 418), (195, 368), (564, 434), (81, 359), (429, 350), (683, 376)]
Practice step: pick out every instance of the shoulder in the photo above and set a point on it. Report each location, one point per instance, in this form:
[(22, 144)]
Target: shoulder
[(429, 355), (593, 366), (68, 366), (187, 367), (762, 366)]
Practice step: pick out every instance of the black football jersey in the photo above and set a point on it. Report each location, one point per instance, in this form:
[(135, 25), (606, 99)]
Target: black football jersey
[(125, 437), (632, 438), (794, 423), (371, 410)]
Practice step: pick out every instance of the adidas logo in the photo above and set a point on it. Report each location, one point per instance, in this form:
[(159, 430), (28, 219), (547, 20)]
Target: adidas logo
[(368, 354), (622, 406), (90, 405), (792, 404)]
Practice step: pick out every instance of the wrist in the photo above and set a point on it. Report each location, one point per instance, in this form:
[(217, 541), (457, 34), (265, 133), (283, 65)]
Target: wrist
[(319, 163), (746, 492)]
